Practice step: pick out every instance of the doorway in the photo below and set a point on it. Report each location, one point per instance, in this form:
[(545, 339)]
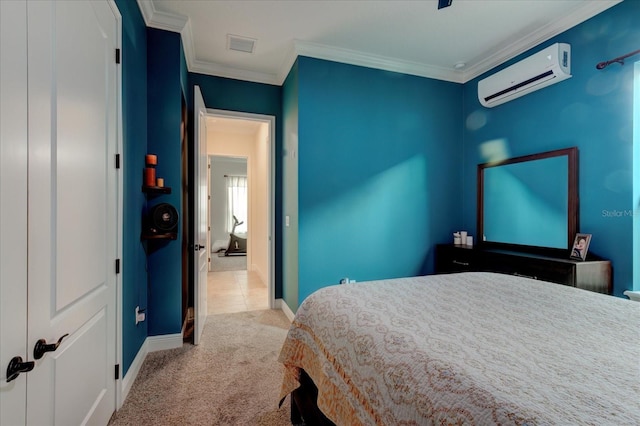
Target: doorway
[(228, 213), (240, 145)]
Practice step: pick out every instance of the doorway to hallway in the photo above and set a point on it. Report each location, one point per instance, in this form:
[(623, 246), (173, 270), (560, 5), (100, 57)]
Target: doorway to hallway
[(243, 281)]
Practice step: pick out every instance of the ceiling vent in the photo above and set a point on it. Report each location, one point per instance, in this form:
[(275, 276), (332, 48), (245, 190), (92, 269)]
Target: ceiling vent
[(240, 44)]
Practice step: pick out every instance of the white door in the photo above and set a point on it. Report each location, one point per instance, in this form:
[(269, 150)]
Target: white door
[(72, 223), (200, 191), (13, 207)]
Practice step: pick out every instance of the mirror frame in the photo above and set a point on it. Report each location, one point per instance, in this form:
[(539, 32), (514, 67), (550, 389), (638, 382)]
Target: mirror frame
[(573, 201)]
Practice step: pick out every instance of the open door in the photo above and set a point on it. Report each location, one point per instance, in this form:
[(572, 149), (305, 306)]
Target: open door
[(201, 255)]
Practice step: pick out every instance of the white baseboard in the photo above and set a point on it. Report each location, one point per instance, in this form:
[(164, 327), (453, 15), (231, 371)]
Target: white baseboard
[(633, 295), (285, 308), (132, 373), (164, 342), (262, 275), (151, 344)]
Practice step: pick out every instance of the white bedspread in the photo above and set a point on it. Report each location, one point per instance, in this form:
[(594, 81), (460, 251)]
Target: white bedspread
[(472, 348)]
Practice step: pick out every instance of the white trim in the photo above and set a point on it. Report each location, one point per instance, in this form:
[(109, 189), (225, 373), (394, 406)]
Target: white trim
[(633, 295), (151, 344), (132, 373), (544, 33), (285, 308), (119, 398), (218, 70), (164, 342), (187, 44), (182, 25), (263, 277), (287, 64), (353, 57), (147, 9), (161, 20)]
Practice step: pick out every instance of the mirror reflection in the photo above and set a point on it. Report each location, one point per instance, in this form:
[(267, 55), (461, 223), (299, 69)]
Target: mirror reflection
[(529, 200)]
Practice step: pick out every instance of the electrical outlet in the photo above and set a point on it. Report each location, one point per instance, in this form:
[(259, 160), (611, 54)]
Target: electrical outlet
[(140, 316)]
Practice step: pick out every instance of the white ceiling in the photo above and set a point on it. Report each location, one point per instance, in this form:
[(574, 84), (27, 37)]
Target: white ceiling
[(411, 37)]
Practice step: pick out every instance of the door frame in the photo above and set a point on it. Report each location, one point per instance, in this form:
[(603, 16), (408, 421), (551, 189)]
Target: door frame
[(119, 207), (271, 120)]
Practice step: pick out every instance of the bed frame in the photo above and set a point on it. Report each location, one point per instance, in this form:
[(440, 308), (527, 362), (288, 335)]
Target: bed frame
[(304, 404)]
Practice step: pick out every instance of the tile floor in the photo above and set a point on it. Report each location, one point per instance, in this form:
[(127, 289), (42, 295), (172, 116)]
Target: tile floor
[(235, 291)]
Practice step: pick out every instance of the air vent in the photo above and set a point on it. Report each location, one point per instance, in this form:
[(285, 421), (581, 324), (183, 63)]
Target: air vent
[(240, 44)]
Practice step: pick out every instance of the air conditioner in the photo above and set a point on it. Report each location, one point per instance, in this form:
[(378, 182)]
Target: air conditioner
[(542, 69)]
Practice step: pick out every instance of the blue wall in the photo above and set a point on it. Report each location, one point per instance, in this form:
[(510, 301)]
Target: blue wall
[(363, 132), (256, 98), (593, 111), (164, 108), (134, 123), (379, 172)]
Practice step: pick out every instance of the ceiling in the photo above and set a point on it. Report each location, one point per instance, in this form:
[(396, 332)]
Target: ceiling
[(411, 37)]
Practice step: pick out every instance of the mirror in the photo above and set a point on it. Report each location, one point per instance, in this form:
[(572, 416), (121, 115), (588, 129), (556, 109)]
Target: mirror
[(529, 201)]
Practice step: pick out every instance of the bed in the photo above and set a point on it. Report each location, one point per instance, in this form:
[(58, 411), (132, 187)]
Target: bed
[(469, 348)]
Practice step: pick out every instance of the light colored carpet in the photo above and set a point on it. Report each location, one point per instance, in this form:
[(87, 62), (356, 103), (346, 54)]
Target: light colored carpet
[(232, 378), (228, 263)]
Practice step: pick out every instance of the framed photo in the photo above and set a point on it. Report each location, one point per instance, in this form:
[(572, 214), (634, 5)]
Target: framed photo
[(580, 246)]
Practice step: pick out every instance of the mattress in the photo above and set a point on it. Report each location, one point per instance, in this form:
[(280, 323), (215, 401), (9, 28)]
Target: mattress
[(468, 348)]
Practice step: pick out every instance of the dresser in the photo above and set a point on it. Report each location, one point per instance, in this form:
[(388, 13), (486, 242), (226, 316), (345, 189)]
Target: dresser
[(594, 275)]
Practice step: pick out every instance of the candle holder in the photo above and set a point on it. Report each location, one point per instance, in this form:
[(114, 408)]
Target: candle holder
[(151, 161)]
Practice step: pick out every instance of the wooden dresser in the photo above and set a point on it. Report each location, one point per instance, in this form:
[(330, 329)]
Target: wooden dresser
[(594, 275)]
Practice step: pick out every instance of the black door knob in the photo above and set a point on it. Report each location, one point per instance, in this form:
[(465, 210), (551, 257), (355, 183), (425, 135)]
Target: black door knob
[(16, 366), (43, 347)]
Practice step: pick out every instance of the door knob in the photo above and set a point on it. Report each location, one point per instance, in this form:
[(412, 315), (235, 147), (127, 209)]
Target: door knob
[(43, 347), (198, 247), (16, 366)]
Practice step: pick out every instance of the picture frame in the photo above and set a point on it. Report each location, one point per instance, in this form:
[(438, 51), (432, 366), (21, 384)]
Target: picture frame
[(580, 246)]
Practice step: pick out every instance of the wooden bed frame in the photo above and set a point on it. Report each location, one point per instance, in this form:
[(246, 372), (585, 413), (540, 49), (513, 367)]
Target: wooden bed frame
[(304, 404)]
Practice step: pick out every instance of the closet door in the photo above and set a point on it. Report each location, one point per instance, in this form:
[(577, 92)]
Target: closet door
[(72, 222), (13, 207)]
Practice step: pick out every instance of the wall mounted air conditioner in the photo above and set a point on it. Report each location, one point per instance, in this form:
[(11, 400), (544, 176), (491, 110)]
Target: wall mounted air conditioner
[(542, 69)]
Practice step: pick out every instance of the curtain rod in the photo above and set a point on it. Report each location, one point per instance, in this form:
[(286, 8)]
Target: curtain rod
[(619, 59), (235, 175)]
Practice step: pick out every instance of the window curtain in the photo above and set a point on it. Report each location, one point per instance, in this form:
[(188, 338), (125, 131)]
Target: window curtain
[(236, 202)]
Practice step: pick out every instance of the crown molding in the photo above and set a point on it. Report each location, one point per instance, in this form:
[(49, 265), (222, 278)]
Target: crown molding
[(353, 57), (287, 64), (187, 44), (218, 70), (544, 33), (161, 20), (181, 24), (146, 9)]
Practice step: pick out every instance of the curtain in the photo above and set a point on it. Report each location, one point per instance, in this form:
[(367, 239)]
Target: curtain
[(236, 202)]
